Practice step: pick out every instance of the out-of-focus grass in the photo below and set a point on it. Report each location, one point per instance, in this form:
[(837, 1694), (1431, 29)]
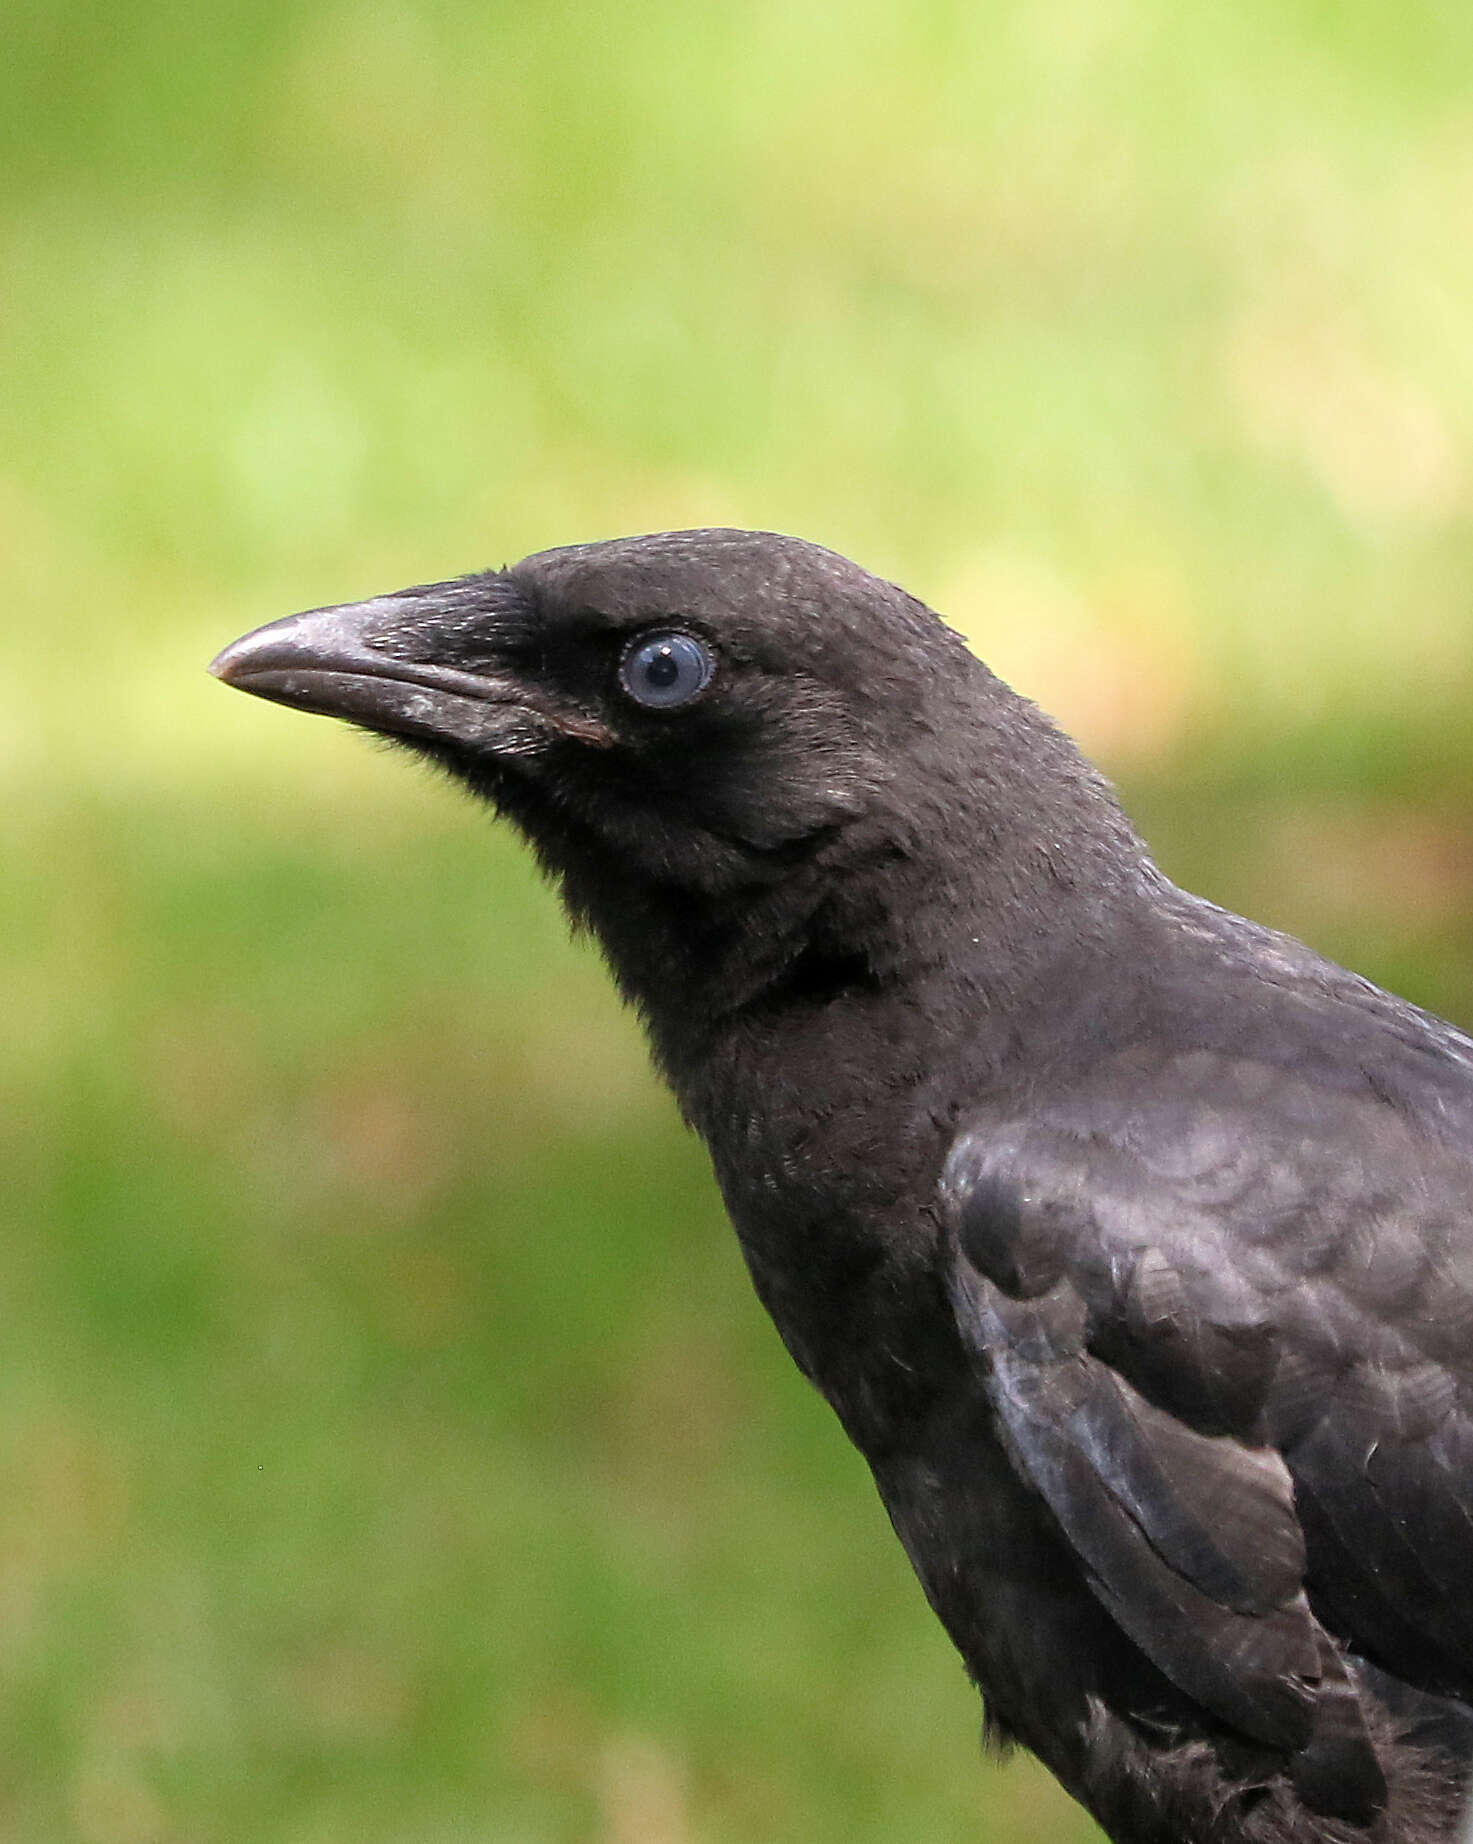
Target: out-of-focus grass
[(393, 1450), (390, 1446)]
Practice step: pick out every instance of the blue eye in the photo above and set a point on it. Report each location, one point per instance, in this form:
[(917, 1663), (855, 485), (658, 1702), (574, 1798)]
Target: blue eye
[(662, 671)]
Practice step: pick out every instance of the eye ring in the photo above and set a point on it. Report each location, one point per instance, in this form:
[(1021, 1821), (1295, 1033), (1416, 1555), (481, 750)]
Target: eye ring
[(665, 669)]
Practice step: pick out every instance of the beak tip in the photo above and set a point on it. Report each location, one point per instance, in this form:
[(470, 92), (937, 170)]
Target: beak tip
[(295, 640), (232, 664), (262, 646)]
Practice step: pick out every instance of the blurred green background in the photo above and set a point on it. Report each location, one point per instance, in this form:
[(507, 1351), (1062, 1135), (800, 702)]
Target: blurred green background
[(390, 1447)]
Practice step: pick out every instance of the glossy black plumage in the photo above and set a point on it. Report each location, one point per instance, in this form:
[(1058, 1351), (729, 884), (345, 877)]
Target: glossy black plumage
[(1129, 1241)]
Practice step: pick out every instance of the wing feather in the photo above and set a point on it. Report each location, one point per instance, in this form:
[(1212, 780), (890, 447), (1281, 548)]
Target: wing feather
[(1222, 1317)]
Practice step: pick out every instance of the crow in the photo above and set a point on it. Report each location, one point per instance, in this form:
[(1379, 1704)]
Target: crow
[(1130, 1241)]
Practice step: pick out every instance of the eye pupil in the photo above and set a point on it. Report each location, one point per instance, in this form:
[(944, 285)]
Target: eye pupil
[(663, 671)]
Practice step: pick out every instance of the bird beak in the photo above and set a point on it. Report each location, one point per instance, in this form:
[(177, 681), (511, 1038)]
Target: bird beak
[(334, 661)]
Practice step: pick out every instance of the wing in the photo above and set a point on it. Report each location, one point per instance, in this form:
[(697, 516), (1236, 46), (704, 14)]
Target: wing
[(1224, 1320)]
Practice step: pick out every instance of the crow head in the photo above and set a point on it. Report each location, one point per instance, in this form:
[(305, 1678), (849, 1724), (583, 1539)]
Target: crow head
[(716, 741)]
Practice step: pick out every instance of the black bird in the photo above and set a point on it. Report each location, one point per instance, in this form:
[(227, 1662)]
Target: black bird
[(1130, 1241)]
